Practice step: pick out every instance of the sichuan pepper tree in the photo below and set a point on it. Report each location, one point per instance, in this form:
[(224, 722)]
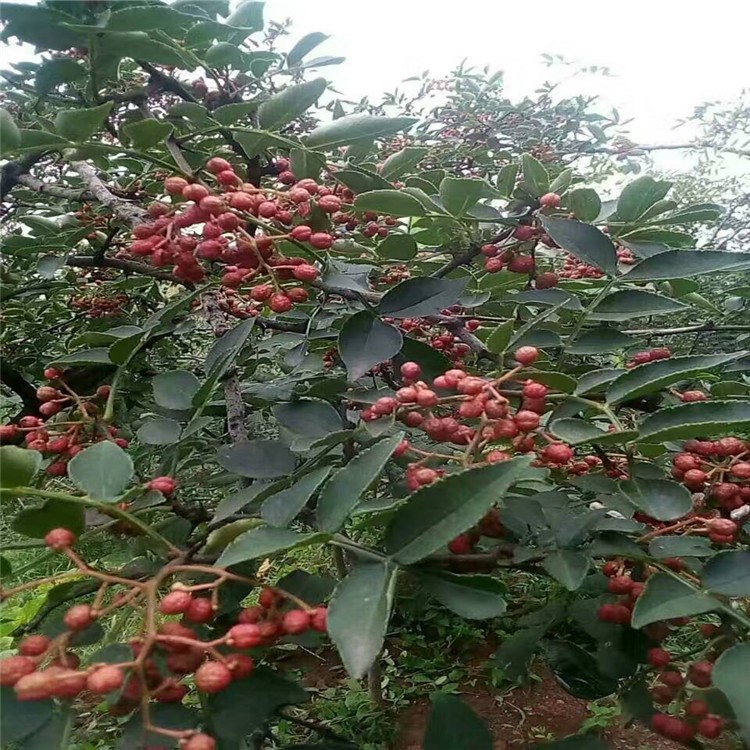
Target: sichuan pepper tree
[(237, 324)]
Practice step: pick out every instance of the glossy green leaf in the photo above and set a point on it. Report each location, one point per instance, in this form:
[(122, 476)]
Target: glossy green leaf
[(562, 182), (666, 597), (342, 492), (579, 432), (393, 202), (145, 18), (661, 499), (634, 303), (365, 341), (20, 719), (699, 212), (147, 133), (435, 514), (309, 417), (56, 71), (265, 541), (282, 508), (175, 390), (81, 124), (10, 135), (585, 241), (360, 180), (257, 459), (638, 196), (226, 349), (730, 675), (290, 103), (102, 471), (535, 177), (303, 47), (595, 380), (453, 724), (476, 597), (684, 264), (397, 247), (358, 614), (420, 297), (654, 376), (18, 466), (498, 340), (159, 432), (54, 514), (460, 194), (601, 341), (355, 129), (506, 179), (584, 203), (306, 164), (567, 566), (728, 573), (663, 547), (516, 652), (403, 161), (701, 419)]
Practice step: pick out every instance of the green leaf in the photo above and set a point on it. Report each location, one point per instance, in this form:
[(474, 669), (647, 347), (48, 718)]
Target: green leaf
[(290, 103), (397, 247), (579, 432), (228, 114), (584, 241), (419, 297), (435, 514), (159, 432), (175, 390), (577, 671), (246, 705), (392, 202), (308, 417), (666, 597), (306, 164), (304, 46), (653, 376), (638, 196), (282, 508), (257, 459), (568, 567), (403, 161), (342, 492), (227, 348), (562, 182), (498, 340), (148, 18), (680, 546), (54, 514), (147, 133), (10, 135), (728, 573), (584, 203), (365, 341), (432, 361), (360, 180), (730, 675), (601, 341), (535, 177), (265, 541), (248, 15), (138, 45), (358, 614), (683, 264), (81, 124), (516, 652), (593, 381), (634, 303), (18, 466), (700, 212), (54, 72), (37, 140), (355, 129), (506, 180), (476, 597), (459, 194), (658, 498), (102, 471), (20, 719), (453, 724), (701, 419)]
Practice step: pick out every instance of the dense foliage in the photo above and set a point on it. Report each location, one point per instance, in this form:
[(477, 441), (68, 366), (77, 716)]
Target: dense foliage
[(243, 318)]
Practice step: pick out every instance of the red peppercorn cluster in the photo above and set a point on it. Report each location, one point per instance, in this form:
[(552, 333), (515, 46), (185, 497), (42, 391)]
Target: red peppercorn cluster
[(651, 355), (165, 654), (99, 304)]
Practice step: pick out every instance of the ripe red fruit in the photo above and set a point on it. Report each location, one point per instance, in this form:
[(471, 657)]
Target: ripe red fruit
[(175, 602), (425, 476), (227, 177), (199, 742), (521, 264), (550, 200), (8, 432), (47, 393), (620, 585), (696, 708), (194, 192), (105, 679), (672, 678), (494, 265), (329, 203), (302, 233), (410, 370), (211, 204), (33, 645), (524, 232), (79, 617), (245, 635), (546, 280), (251, 615), (216, 164), (741, 470), (60, 539), (526, 355), (297, 294), (52, 373), (295, 621), (722, 526), (461, 545), (240, 665), (200, 610), (49, 409), (305, 272), (659, 657), (695, 477), (165, 485), (268, 598), (426, 397), (212, 677), (557, 453), (710, 727), (700, 673), (13, 668), (662, 694), (319, 619), (321, 240), (526, 420), (170, 691), (34, 687), (280, 303), (175, 185)]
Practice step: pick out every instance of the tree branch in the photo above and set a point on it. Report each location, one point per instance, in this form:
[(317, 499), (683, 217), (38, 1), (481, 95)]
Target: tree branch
[(56, 191), (698, 328), (13, 170), (130, 266)]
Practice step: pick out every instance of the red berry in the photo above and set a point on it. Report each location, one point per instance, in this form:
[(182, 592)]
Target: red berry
[(534, 390), (695, 477), (13, 668), (521, 264), (302, 233), (216, 164), (319, 619), (410, 370), (47, 393), (34, 687), (280, 303), (558, 453), (321, 240), (549, 200), (659, 657), (526, 355), (662, 694), (526, 420), (696, 708), (295, 621), (305, 272), (79, 617), (175, 602), (672, 678), (105, 679), (245, 635), (194, 192), (620, 585), (494, 265), (741, 470), (165, 485), (200, 610), (227, 177), (175, 185), (8, 432), (212, 677), (524, 232), (52, 373), (240, 665), (426, 397), (34, 645), (546, 280), (710, 727), (251, 615), (199, 742), (60, 539), (268, 598), (461, 545), (700, 673)]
